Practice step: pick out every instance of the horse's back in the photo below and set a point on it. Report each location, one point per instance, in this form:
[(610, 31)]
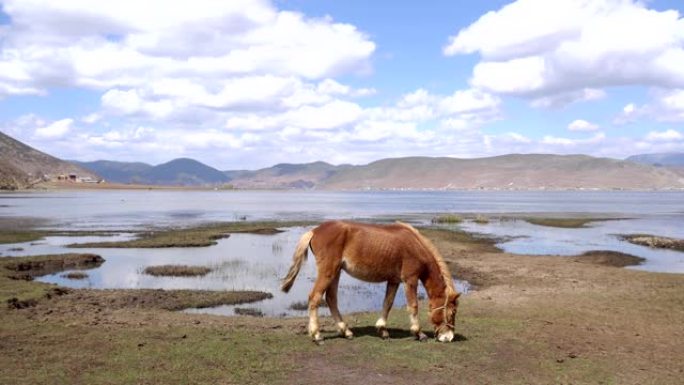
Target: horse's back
[(366, 251)]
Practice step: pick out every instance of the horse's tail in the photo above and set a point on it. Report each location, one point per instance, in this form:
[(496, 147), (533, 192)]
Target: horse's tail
[(297, 259)]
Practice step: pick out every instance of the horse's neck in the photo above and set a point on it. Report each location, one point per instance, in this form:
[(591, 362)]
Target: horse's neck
[(434, 282)]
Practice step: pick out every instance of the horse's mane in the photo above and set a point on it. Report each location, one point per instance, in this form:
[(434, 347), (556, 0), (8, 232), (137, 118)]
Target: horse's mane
[(443, 268)]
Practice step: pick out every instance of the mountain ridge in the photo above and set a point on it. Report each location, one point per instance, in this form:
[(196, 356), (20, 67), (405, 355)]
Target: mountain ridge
[(21, 165)]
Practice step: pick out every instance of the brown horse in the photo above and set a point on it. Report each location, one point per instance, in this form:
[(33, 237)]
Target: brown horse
[(377, 253)]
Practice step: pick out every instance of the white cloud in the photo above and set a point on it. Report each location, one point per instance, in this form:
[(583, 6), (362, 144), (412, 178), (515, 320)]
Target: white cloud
[(566, 46), (566, 142), (664, 136), (54, 130), (582, 125), (92, 44)]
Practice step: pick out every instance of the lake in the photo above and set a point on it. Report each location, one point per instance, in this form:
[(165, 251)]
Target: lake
[(257, 262)]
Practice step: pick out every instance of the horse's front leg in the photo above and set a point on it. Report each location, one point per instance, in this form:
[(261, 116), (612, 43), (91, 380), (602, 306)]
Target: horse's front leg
[(411, 288), (381, 325)]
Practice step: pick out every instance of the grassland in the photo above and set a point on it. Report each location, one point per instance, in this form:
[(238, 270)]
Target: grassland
[(177, 271), (532, 320)]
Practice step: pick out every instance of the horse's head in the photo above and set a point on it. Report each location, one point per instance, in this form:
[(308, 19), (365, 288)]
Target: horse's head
[(443, 316)]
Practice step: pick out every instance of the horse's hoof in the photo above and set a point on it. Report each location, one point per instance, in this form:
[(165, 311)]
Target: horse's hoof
[(422, 337), (318, 342), (348, 334), (384, 334)]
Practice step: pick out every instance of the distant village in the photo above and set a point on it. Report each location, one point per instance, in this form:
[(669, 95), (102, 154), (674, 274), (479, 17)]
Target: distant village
[(75, 178)]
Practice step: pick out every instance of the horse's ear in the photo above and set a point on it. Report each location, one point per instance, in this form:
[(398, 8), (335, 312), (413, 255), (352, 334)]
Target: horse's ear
[(454, 296)]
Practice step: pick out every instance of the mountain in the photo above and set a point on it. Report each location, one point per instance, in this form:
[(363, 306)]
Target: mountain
[(285, 175), (659, 159), (182, 171), (22, 165), (178, 172), (530, 171), (116, 172)]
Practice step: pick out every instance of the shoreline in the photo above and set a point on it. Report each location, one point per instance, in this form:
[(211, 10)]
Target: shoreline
[(74, 186)]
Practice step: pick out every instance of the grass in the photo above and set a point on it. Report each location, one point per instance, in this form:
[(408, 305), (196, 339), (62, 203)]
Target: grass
[(304, 305), (447, 219), (544, 320), (177, 271), (75, 275), (7, 237), (481, 220), (655, 241), (16, 274), (249, 311), (32, 235), (201, 236), (565, 223)]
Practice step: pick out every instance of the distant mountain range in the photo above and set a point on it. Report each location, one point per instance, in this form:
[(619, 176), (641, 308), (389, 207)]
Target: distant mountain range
[(178, 172), (21, 165), (661, 159)]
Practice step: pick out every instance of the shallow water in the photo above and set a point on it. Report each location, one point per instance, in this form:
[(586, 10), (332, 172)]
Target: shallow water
[(135, 209), (521, 237), (257, 262), (240, 262)]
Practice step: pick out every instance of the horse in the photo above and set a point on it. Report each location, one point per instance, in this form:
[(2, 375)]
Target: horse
[(395, 253)]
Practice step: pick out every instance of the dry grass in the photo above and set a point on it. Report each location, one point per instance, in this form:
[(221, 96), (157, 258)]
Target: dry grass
[(177, 271), (655, 241), (75, 275), (249, 311)]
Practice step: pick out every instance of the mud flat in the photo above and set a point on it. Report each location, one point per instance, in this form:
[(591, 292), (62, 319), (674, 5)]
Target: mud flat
[(531, 319)]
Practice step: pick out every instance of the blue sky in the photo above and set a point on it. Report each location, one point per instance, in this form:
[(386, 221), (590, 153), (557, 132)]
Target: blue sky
[(247, 84)]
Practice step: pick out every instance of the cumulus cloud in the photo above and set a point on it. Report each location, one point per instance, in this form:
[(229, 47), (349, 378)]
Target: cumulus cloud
[(582, 125), (92, 44), (664, 136), (568, 50)]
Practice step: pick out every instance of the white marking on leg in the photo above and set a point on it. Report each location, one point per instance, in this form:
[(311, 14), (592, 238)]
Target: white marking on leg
[(415, 324), (381, 323)]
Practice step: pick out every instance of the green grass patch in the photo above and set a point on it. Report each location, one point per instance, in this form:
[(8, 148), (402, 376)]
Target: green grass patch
[(177, 271), (565, 223), (8, 237), (200, 236), (447, 219)]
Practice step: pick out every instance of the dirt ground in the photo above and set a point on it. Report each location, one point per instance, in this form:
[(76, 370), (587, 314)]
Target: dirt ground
[(530, 320)]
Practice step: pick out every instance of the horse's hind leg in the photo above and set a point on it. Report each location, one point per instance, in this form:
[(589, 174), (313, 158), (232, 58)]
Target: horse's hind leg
[(411, 288), (326, 275), (331, 298), (381, 325)]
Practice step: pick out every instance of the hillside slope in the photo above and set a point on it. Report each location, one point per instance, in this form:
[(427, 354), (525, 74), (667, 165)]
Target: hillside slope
[(116, 172), (285, 175), (660, 159), (533, 171), (23, 165)]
